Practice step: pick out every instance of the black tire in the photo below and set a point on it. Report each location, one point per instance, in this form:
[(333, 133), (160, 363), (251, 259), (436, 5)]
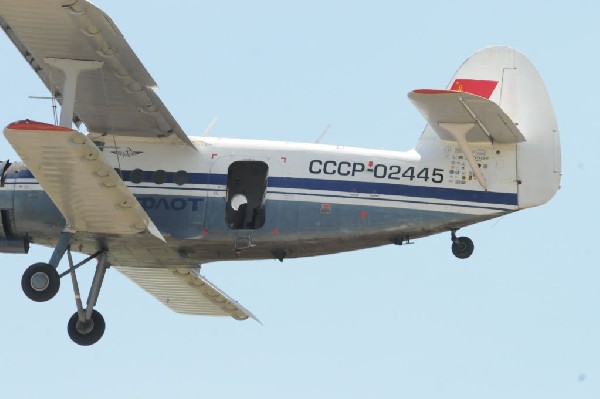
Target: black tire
[(88, 333), (463, 247), (40, 282)]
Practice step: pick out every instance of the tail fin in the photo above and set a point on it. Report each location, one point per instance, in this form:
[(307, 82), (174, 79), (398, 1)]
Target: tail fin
[(507, 78)]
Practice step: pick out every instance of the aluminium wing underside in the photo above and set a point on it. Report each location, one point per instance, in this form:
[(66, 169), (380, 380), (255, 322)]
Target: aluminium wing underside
[(119, 97)]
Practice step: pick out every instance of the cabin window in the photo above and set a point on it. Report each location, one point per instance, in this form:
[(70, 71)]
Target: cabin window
[(180, 178), (159, 177), (137, 176), (246, 189)]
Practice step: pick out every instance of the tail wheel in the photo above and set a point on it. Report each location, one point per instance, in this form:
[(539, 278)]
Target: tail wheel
[(40, 282), (462, 247), (87, 332)]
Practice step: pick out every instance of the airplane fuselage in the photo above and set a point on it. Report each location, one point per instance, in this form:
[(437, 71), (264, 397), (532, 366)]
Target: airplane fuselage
[(297, 199)]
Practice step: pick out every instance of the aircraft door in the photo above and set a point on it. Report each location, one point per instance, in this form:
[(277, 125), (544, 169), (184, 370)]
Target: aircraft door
[(245, 196), (237, 198)]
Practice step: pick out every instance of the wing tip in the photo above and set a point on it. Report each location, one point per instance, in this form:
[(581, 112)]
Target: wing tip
[(243, 314), (27, 124)]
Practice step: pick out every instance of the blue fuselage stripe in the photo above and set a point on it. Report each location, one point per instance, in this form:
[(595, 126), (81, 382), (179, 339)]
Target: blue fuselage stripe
[(404, 190), (349, 186)]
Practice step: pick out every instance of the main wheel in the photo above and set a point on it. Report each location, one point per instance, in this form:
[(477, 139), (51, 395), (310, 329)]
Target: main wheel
[(463, 247), (86, 333), (40, 282)]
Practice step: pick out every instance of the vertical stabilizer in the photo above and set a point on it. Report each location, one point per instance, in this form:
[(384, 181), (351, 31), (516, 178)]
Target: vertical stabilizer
[(506, 77)]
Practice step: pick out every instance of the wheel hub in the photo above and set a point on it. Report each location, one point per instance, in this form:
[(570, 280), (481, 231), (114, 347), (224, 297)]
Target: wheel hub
[(84, 327), (40, 281)]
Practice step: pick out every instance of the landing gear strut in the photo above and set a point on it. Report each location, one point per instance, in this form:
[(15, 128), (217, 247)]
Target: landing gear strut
[(41, 282), (86, 326), (462, 247)]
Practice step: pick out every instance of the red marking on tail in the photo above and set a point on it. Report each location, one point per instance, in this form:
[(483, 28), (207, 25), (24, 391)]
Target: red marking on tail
[(276, 231), (481, 88)]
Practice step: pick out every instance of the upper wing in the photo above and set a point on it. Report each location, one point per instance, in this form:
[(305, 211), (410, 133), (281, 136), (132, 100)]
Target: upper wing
[(185, 291), (115, 99), (84, 187)]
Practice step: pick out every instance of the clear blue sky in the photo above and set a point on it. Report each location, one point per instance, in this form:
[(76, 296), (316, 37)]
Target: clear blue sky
[(519, 319)]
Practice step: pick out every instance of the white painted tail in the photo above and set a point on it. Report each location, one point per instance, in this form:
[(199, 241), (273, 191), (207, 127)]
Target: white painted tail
[(507, 77)]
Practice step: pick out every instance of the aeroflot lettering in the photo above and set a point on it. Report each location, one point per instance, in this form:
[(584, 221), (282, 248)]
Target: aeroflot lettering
[(169, 204), (379, 171)]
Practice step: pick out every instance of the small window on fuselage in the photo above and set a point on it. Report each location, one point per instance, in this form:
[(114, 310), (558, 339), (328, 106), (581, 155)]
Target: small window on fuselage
[(159, 177), (137, 176), (180, 178)]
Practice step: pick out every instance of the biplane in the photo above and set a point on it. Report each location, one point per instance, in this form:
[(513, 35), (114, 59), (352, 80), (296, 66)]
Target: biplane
[(119, 180)]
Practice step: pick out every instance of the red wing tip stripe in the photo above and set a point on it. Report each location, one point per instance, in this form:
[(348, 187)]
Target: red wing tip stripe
[(32, 125)]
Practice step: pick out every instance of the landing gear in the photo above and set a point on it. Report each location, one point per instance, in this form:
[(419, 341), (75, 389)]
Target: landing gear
[(86, 326), (40, 282), (462, 247), (88, 332)]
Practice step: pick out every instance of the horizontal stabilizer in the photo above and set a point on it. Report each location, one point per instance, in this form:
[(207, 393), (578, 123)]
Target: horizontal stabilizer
[(482, 119), (184, 290), (84, 187)]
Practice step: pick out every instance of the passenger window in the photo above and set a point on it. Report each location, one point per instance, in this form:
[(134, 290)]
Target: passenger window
[(159, 177), (180, 178), (137, 176)]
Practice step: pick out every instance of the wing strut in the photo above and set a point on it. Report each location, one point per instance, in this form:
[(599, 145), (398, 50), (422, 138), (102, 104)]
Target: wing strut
[(71, 68)]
